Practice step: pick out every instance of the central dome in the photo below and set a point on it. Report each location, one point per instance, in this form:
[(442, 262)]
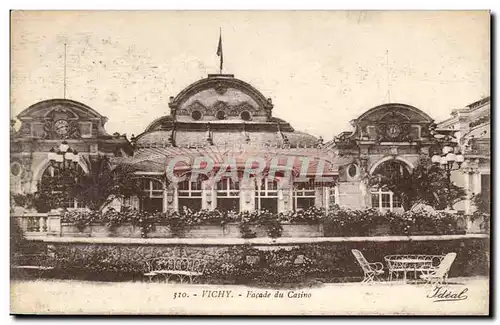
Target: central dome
[(221, 109)]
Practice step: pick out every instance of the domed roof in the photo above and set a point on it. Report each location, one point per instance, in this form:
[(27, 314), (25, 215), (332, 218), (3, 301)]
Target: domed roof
[(221, 109)]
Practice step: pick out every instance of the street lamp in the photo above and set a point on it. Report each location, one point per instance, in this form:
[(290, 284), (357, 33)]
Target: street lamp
[(65, 161), (64, 157), (447, 162)]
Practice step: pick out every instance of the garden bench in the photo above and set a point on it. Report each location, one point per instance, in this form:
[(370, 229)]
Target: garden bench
[(38, 263), (183, 268)]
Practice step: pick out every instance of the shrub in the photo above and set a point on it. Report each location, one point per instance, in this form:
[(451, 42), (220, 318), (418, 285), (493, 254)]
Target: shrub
[(262, 218), (80, 218), (310, 215)]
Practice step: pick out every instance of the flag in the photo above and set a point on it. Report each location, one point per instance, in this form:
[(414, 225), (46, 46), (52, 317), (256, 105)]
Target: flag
[(219, 51)]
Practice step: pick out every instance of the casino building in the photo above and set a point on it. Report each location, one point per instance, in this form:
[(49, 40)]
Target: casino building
[(230, 122)]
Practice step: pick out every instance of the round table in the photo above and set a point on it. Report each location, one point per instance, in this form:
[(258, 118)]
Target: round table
[(409, 264)]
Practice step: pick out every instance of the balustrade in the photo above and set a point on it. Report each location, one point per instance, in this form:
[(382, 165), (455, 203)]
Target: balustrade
[(38, 223)]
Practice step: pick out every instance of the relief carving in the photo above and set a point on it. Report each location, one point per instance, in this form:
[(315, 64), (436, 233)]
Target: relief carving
[(230, 110), (61, 129), (393, 132)]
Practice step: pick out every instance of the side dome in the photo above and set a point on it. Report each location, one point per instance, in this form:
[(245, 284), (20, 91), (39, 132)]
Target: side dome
[(61, 118)]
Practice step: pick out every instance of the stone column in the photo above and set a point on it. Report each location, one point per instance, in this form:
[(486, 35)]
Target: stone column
[(169, 198), (467, 182), (165, 199), (247, 194), (319, 198), (209, 195), (175, 201), (365, 195), (284, 197), (54, 223)]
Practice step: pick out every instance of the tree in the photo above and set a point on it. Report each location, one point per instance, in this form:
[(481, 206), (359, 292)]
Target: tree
[(104, 182), (427, 183), (482, 202)]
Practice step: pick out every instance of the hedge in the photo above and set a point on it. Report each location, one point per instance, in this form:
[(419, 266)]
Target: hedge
[(244, 264)]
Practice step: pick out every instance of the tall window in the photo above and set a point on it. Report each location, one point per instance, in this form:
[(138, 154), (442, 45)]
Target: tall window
[(266, 195), (304, 195), (332, 198), (383, 198), (56, 182), (152, 199), (190, 194), (228, 195)]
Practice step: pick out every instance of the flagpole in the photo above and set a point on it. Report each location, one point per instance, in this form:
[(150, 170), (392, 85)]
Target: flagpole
[(220, 37), (219, 50)]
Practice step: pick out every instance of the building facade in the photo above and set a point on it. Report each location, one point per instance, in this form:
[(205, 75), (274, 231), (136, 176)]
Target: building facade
[(222, 148), (472, 127), (44, 126)]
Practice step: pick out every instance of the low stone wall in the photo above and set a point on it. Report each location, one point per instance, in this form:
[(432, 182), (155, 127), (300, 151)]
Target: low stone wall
[(262, 260), (231, 230)]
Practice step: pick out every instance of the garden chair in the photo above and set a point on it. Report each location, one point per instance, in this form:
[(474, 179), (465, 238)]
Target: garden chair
[(436, 276), (372, 271)]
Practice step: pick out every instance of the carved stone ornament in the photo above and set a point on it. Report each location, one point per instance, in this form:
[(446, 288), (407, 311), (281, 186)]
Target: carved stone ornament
[(220, 88), (393, 132)]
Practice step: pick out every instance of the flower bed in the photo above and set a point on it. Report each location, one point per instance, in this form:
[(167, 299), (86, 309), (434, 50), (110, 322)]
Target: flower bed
[(311, 222), (371, 222)]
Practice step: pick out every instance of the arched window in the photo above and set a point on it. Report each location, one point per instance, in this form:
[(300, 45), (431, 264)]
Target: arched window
[(381, 197), (152, 199), (58, 183)]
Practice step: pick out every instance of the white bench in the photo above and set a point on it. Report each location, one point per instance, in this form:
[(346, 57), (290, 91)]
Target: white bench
[(183, 268)]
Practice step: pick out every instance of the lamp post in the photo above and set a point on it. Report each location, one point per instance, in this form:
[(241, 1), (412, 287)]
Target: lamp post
[(447, 161), (65, 160)]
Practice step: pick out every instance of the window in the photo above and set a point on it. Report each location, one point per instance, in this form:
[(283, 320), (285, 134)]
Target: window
[(196, 115), (228, 195), (190, 193), (304, 195), (220, 115), (15, 169), (384, 199), (57, 183), (246, 116), (266, 194), (152, 200), (332, 200), (352, 170)]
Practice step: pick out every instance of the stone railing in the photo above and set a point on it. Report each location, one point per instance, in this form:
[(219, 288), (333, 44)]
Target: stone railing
[(38, 224)]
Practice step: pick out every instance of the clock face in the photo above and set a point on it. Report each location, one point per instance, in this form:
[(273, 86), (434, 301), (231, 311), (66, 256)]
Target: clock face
[(61, 127), (393, 130)]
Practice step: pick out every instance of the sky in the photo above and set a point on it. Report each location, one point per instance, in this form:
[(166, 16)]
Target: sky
[(321, 68)]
